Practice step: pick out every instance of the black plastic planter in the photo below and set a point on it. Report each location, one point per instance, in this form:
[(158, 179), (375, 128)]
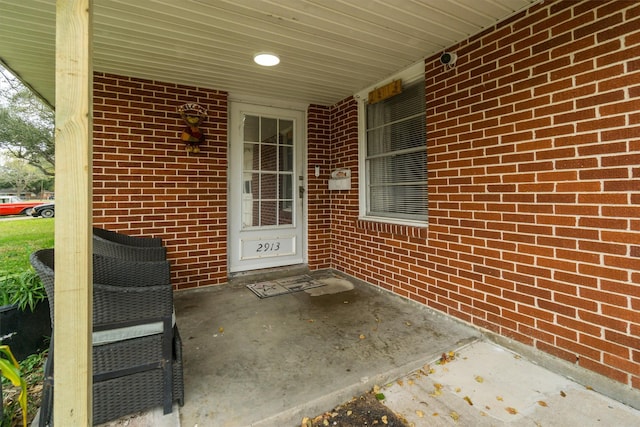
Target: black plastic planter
[(25, 332)]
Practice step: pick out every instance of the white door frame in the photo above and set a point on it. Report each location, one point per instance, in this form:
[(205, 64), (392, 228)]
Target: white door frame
[(255, 248)]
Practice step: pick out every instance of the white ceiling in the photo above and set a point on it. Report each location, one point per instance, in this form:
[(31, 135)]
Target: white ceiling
[(329, 49)]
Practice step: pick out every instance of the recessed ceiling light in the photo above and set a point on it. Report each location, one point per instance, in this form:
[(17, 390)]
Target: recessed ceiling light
[(266, 59)]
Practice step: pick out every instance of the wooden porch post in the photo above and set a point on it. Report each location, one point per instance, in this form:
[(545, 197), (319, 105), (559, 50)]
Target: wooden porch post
[(73, 234)]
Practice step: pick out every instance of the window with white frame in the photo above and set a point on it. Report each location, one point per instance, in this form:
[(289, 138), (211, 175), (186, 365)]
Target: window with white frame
[(396, 156)]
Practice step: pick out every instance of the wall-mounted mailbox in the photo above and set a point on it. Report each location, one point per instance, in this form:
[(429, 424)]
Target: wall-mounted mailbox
[(340, 179)]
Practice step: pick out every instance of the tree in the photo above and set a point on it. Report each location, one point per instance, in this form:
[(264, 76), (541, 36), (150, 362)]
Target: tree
[(26, 125), (22, 176)]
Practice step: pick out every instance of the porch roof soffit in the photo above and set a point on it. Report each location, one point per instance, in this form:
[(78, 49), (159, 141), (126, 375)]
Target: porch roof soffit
[(329, 50)]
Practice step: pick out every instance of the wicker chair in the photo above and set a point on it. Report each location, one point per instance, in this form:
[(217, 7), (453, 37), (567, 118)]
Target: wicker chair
[(118, 245), (137, 351), (114, 236)]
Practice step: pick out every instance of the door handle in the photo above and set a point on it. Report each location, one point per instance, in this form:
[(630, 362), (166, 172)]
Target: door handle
[(301, 191)]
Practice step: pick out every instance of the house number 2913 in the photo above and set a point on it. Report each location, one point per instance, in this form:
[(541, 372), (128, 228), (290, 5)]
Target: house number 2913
[(268, 247)]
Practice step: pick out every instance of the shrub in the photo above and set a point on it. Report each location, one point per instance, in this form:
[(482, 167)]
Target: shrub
[(24, 289)]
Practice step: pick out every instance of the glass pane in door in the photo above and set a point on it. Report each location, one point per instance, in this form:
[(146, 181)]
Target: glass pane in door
[(268, 168), (268, 189), (268, 157)]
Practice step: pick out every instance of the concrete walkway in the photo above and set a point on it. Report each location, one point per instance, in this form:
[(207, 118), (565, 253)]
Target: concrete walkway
[(486, 385)]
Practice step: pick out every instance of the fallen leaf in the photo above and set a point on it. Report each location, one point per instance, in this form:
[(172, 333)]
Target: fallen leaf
[(419, 413), (468, 399), (479, 379), (454, 415), (589, 388), (400, 383), (384, 419), (349, 413), (512, 411), (325, 422), (563, 394), (499, 398), (380, 396), (376, 389), (458, 389), (362, 336), (484, 414), (437, 391), (410, 382), (310, 320), (435, 414), (221, 330), (407, 323), (542, 403), (446, 357), (306, 422)]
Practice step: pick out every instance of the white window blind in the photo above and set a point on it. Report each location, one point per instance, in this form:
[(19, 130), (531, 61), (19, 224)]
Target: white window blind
[(396, 157)]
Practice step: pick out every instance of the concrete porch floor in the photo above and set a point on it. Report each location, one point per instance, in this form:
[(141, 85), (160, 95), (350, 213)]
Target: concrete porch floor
[(274, 361)]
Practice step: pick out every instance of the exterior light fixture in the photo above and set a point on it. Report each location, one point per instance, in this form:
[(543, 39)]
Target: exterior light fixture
[(266, 59)]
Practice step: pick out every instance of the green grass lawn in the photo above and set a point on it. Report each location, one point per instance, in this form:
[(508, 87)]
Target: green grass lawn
[(19, 238)]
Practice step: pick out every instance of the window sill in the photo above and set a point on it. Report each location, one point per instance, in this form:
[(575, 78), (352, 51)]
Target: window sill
[(384, 225)]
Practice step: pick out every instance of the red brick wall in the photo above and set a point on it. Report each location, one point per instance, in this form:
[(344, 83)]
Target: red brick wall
[(344, 204), (145, 183), (318, 204), (534, 188)]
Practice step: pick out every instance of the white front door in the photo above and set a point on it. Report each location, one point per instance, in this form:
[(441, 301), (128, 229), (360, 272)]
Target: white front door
[(267, 182)]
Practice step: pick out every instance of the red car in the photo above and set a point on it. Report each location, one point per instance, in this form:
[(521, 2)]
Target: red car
[(13, 205)]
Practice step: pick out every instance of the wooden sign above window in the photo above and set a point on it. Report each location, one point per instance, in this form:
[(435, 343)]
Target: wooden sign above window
[(386, 91)]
